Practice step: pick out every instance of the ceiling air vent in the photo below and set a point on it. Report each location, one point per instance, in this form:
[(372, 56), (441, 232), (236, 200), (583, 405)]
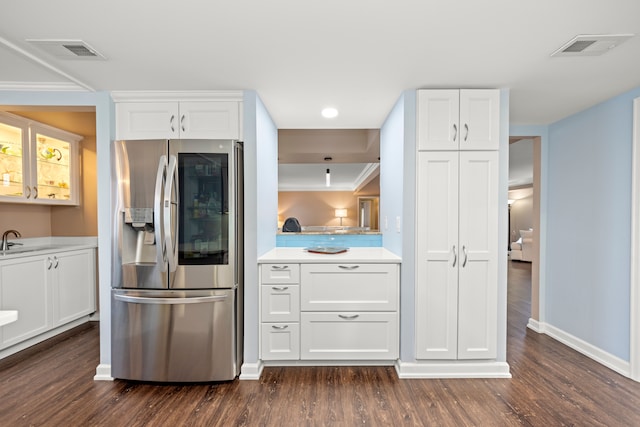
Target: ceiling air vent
[(67, 49), (591, 45)]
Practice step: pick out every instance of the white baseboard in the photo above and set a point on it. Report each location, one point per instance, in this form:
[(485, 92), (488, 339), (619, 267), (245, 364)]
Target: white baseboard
[(103, 373), (607, 359), (452, 369), (251, 371), (534, 325)]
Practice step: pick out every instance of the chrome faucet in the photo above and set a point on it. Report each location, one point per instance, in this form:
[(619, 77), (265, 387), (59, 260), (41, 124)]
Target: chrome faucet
[(5, 240)]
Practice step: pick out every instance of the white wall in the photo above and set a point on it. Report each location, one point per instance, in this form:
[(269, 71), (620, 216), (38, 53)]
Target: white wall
[(521, 213)]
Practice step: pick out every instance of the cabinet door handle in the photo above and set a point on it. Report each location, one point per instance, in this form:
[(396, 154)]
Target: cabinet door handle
[(464, 251), (279, 327), (348, 267), (182, 123), (466, 129), (279, 267), (279, 288), (173, 129), (348, 317), (55, 262), (455, 256), (455, 132), (35, 193), (49, 263), (28, 192)]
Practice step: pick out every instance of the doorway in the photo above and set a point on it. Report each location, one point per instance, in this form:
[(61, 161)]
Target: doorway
[(535, 185)]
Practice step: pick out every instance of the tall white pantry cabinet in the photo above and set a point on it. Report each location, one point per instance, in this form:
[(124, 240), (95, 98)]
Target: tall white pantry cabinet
[(457, 224)]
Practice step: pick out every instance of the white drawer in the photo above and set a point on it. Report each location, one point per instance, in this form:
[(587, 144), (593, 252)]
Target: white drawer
[(349, 287), (349, 336), (279, 273), (280, 341), (280, 303)]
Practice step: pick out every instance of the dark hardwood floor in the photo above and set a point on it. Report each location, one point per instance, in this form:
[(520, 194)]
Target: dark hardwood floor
[(552, 385)]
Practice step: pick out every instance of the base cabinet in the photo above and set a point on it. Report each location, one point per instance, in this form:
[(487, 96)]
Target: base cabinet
[(349, 336), (336, 312), (48, 291), (24, 286)]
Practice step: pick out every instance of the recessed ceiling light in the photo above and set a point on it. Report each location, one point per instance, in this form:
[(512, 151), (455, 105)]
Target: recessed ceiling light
[(329, 112)]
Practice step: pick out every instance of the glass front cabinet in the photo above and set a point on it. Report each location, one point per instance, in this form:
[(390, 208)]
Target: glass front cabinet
[(38, 163)]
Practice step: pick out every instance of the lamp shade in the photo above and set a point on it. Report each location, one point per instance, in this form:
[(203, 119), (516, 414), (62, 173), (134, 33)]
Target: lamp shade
[(341, 213)]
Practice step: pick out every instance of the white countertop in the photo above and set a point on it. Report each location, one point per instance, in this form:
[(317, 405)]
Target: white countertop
[(360, 255), (8, 316), (43, 245)]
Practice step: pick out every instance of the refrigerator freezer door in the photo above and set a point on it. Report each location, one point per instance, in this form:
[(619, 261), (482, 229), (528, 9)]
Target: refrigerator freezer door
[(174, 336), (139, 256)]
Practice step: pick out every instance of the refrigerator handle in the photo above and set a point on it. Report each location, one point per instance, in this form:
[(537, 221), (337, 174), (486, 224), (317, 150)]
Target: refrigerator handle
[(169, 207), (158, 213), (170, 301)]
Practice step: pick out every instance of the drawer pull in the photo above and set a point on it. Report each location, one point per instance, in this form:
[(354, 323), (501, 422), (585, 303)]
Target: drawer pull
[(279, 288), (344, 316), (348, 267), (279, 267), (280, 327)]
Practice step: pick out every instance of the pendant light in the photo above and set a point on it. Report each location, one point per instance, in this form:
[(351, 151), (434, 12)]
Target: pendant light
[(328, 178)]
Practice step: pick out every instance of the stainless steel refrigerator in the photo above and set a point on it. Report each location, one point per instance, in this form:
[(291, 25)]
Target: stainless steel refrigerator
[(177, 292)]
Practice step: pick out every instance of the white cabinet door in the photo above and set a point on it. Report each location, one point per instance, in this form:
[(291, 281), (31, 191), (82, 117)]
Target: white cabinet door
[(279, 273), (349, 336), (171, 120), (438, 116), (280, 303), (24, 287), (467, 119), (73, 285), (353, 287), (478, 282), (209, 120), (280, 341), (479, 119), (147, 120), (438, 256), (456, 285)]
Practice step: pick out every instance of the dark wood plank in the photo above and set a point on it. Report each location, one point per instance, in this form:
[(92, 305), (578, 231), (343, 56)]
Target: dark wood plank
[(52, 385)]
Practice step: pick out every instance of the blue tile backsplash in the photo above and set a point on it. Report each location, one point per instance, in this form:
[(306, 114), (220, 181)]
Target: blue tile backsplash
[(326, 240)]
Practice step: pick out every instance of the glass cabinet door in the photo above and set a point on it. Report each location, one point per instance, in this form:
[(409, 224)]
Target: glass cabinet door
[(11, 161), (204, 208), (53, 168)]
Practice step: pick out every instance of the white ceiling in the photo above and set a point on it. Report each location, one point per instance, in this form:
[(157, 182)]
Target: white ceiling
[(356, 55)]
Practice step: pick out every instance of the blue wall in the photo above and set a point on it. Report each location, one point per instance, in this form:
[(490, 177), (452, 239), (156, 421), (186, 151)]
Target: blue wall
[(589, 224), (261, 207)]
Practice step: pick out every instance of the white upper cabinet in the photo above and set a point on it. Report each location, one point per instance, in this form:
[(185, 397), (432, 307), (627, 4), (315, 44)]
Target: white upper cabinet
[(466, 119), (200, 119), (38, 163)]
